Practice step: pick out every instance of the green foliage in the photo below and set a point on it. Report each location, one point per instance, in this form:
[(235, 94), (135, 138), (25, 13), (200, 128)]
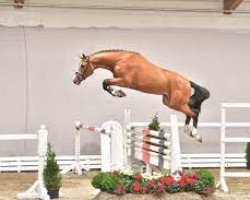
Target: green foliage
[(198, 186), (52, 176), (155, 124), (127, 182), (207, 177), (105, 182), (248, 152), (173, 188)]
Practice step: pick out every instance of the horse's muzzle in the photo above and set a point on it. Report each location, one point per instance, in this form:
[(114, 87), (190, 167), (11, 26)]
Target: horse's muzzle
[(76, 81)]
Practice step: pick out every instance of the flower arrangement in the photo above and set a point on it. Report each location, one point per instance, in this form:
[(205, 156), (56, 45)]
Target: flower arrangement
[(201, 182)]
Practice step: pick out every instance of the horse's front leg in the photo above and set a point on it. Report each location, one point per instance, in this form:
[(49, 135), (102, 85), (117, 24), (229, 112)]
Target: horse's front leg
[(114, 81)]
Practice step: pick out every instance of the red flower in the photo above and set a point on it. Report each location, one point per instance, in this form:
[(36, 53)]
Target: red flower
[(136, 186), (195, 176), (163, 180), (161, 186), (169, 180), (184, 177), (152, 182), (190, 181), (144, 190), (138, 177), (182, 183)]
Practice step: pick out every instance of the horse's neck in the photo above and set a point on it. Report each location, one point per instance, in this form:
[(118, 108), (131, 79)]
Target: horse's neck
[(105, 60)]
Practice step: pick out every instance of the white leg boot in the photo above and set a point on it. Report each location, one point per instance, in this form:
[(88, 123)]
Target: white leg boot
[(196, 135), (188, 129)]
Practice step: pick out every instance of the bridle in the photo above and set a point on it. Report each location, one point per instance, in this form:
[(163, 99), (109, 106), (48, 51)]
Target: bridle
[(82, 74)]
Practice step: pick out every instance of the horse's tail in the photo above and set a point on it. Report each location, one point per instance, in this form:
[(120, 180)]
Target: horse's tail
[(200, 92)]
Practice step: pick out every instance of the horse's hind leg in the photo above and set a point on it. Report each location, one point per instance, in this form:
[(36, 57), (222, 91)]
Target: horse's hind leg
[(194, 132), (187, 129), (194, 105), (114, 81)]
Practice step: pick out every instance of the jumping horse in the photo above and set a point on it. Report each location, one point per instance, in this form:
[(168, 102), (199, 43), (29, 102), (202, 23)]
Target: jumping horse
[(131, 70)]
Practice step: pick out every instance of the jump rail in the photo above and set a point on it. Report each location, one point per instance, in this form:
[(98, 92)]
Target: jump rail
[(153, 147), (111, 147), (223, 174), (37, 190)]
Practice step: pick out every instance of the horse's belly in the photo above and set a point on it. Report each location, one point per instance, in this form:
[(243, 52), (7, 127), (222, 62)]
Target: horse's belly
[(150, 87), (149, 79)]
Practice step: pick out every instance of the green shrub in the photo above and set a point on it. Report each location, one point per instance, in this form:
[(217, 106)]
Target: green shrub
[(51, 174), (248, 152), (198, 186), (105, 182), (207, 177), (155, 124)]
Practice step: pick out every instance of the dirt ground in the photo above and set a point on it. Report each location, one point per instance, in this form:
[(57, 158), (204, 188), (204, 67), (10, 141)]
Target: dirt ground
[(79, 187)]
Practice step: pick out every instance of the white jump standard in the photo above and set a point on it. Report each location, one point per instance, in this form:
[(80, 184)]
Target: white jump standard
[(37, 191), (111, 141), (224, 139), (156, 148)]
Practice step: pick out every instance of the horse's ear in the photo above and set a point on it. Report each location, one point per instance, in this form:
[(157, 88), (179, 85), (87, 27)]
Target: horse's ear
[(83, 56)]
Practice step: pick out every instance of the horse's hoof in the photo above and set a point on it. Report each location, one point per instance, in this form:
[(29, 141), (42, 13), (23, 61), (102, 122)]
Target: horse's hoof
[(188, 130), (198, 138), (120, 93), (196, 135)]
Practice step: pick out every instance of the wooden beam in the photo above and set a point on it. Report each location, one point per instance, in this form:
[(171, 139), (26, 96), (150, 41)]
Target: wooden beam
[(230, 5), (18, 3)]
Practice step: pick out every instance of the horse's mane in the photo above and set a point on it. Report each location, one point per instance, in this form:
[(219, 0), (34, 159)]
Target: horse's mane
[(113, 50)]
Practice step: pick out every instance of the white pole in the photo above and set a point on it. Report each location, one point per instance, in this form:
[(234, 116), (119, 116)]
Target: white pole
[(222, 182), (105, 143), (175, 146), (117, 146), (125, 138), (112, 146), (78, 168), (42, 136)]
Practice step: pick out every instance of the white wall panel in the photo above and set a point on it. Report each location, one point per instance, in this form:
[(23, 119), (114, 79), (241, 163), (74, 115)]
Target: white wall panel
[(218, 60)]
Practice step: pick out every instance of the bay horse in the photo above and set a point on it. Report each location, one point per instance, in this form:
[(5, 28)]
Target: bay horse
[(132, 70)]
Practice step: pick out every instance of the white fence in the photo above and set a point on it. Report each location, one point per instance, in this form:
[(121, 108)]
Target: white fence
[(225, 139), (30, 163), (37, 190), (188, 160), (210, 160)]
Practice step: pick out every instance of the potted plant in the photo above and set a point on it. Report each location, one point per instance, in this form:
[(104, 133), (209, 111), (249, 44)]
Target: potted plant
[(154, 124), (248, 155), (52, 176)]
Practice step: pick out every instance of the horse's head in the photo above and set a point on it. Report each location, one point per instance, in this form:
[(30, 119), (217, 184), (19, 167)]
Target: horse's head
[(85, 70)]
